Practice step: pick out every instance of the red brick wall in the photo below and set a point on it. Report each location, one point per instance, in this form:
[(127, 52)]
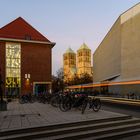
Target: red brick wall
[(36, 61)]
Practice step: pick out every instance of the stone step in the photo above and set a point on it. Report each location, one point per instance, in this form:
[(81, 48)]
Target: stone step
[(59, 132), (64, 125), (111, 133), (118, 135)]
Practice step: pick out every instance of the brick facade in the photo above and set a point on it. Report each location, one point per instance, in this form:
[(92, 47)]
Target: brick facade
[(36, 54), (35, 60)]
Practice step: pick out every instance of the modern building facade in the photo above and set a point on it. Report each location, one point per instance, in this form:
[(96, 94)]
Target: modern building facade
[(25, 59), (77, 64), (117, 59)]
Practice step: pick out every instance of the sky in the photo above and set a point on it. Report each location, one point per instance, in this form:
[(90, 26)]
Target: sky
[(68, 23)]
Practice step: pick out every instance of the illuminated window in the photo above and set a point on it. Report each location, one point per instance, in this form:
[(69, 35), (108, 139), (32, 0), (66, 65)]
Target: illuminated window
[(13, 64)]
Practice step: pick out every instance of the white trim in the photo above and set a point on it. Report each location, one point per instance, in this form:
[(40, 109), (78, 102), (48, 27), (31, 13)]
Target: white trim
[(42, 82), (27, 41)]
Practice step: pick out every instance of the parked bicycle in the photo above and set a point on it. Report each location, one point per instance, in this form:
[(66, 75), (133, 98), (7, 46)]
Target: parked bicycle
[(70, 101), (26, 99), (92, 103), (55, 99)]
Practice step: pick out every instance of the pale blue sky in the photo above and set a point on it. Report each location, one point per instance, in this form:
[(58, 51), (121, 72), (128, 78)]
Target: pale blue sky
[(66, 22)]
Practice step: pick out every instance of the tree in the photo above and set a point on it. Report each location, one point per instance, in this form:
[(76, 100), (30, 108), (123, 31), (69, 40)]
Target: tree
[(86, 78), (83, 79), (75, 80), (60, 74), (54, 84), (58, 81)]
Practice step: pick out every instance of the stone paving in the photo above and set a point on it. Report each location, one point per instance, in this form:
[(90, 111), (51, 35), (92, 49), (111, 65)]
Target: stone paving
[(37, 114)]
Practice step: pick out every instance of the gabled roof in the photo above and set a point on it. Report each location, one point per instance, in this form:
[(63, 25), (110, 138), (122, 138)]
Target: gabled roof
[(69, 50), (20, 29), (84, 46)]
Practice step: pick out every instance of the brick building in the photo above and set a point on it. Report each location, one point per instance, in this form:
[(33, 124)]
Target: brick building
[(25, 59)]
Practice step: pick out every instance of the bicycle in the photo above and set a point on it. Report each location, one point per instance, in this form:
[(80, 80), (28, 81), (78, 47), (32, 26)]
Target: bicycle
[(70, 101), (94, 103)]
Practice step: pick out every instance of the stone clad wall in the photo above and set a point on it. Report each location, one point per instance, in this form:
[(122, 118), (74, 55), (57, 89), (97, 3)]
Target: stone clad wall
[(119, 53), (131, 48), (107, 57)]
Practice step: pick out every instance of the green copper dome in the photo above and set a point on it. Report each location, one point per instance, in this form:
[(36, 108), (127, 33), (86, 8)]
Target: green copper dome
[(69, 50), (84, 46)]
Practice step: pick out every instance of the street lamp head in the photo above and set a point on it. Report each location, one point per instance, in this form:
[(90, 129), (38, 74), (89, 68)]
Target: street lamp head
[(27, 76)]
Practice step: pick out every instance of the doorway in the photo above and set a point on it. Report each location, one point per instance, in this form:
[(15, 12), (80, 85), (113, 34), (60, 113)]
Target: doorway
[(41, 88)]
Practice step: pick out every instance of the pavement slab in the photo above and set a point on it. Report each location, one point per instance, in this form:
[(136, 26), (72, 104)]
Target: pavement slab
[(36, 114)]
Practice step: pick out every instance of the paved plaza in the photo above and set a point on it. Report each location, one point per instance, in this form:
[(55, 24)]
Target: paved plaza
[(37, 114)]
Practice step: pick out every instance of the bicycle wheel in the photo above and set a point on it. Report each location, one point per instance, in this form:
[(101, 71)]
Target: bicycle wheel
[(54, 102), (96, 105), (65, 104), (21, 101)]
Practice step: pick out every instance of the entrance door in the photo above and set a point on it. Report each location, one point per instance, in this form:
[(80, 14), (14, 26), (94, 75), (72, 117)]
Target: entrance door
[(41, 89)]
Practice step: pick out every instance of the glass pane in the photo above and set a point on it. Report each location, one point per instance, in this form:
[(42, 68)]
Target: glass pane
[(13, 64), (12, 82)]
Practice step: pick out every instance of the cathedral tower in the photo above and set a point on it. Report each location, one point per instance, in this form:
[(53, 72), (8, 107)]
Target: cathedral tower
[(84, 60), (69, 64)]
